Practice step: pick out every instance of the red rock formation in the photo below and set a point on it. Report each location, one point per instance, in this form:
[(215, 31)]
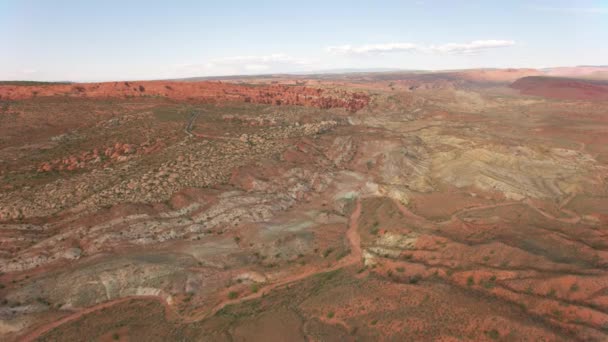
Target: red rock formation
[(208, 92), (117, 153)]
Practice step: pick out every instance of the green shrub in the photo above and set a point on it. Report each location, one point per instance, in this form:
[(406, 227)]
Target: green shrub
[(493, 334), (327, 252)]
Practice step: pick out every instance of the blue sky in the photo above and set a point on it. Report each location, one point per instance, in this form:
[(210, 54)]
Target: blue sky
[(118, 40)]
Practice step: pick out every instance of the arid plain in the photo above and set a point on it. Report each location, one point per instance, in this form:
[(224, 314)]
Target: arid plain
[(457, 205)]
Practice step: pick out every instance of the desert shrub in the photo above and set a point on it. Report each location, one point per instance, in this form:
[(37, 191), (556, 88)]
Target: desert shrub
[(343, 254), (232, 295), (170, 113), (493, 334)]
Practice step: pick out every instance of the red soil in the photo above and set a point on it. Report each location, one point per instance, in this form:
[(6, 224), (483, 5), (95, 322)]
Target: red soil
[(562, 88), (116, 153), (208, 92)]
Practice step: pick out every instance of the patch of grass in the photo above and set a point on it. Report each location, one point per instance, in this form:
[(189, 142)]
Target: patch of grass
[(232, 295), (470, 281), (557, 314), (330, 314), (574, 287), (115, 336), (551, 293), (254, 288), (170, 113), (493, 334), (374, 322), (343, 254), (327, 252), (400, 269), (488, 284)]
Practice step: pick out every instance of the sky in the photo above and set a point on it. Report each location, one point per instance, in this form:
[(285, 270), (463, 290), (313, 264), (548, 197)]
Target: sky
[(107, 40)]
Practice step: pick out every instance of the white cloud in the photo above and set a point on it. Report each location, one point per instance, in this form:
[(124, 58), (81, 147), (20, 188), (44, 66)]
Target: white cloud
[(373, 48), (473, 47)]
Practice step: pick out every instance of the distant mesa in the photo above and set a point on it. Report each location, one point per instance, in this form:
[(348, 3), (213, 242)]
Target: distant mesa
[(562, 88), (583, 71)]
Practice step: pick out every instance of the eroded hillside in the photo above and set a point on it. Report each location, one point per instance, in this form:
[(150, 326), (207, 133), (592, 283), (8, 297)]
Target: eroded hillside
[(386, 208)]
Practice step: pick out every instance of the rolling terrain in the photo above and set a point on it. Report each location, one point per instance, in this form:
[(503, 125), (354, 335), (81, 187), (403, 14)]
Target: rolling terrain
[(457, 205)]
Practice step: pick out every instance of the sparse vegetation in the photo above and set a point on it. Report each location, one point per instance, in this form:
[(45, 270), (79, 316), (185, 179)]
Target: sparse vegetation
[(493, 334), (228, 203), (415, 279)]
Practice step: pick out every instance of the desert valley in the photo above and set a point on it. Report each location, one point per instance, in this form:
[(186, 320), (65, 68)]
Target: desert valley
[(455, 205)]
